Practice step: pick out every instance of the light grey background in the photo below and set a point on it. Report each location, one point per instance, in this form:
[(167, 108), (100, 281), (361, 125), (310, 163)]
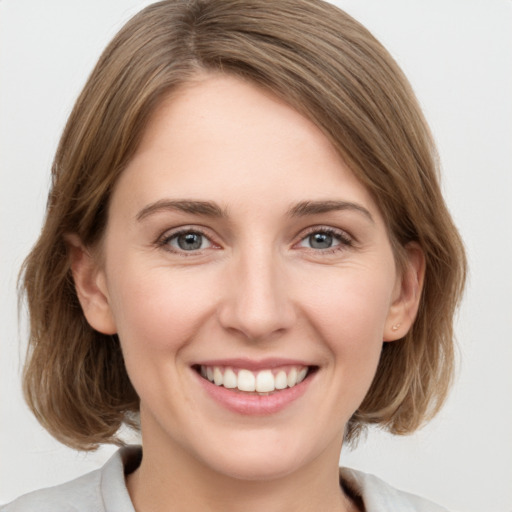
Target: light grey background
[(458, 56)]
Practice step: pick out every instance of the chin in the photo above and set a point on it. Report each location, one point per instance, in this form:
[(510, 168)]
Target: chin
[(256, 467), (264, 458)]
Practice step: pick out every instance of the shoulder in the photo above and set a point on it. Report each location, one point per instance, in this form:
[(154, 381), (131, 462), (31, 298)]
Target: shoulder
[(103, 490), (80, 494), (377, 495)]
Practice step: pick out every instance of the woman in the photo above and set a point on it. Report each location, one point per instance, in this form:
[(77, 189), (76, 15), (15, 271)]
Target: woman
[(246, 247)]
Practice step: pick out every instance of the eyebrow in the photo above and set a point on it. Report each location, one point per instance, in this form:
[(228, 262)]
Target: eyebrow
[(305, 208), (211, 209), (206, 208)]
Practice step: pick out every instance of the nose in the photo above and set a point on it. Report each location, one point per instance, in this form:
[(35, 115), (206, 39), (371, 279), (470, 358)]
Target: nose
[(256, 302)]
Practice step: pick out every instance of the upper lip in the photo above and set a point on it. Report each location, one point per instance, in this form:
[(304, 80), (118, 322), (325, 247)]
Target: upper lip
[(253, 364)]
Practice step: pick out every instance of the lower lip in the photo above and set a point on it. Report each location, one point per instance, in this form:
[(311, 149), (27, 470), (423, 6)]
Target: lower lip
[(254, 405)]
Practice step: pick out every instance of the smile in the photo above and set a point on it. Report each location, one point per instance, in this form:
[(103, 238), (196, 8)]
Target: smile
[(263, 381), (255, 388)]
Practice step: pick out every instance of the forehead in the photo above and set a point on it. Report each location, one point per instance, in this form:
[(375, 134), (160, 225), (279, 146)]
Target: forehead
[(222, 138), (212, 106)]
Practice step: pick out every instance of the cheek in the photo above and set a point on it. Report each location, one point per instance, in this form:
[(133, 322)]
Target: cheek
[(352, 326), (158, 314), (350, 310), (157, 310)]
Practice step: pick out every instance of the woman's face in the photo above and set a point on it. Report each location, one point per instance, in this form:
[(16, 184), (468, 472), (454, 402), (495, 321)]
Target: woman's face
[(240, 248)]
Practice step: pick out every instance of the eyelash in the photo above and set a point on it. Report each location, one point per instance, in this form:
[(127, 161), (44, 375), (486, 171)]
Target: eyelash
[(345, 241), (164, 241)]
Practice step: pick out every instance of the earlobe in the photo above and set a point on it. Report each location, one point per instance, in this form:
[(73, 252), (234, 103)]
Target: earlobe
[(407, 295), (90, 286)]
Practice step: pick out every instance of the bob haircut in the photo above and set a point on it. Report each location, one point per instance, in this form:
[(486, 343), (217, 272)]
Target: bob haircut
[(332, 70)]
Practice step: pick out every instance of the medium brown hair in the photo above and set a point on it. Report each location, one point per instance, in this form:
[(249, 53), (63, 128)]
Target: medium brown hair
[(324, 64)]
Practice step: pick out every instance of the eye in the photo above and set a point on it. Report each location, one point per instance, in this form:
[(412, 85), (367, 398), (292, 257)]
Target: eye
[(320, 241), (324, 239), (188, 241)]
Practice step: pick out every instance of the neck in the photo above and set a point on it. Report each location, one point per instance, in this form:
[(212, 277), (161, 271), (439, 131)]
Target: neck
[(173, 480)]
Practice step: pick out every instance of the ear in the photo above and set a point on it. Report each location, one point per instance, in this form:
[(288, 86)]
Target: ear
[(90, 285), (407, 294)]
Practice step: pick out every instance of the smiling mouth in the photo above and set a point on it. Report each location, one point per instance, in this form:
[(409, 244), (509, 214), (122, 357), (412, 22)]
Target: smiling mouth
[(262, 382)]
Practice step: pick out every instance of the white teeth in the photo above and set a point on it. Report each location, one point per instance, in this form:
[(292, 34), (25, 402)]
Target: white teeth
[(230, 380), (246, 381), (292, 378), (281, 381), (217, 376), (263, 382), (302, 375)]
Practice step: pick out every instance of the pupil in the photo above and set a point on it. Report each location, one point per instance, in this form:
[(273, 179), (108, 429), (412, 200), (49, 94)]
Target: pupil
[(321, 241), (189, 241)]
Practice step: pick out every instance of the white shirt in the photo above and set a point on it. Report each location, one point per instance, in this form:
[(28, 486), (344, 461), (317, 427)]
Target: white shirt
[(104, 490)]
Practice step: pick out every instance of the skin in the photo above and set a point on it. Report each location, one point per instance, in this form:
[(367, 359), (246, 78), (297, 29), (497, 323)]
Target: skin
[(257, 288)]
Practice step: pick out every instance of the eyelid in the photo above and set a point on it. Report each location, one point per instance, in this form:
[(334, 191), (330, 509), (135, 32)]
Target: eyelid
[(346, 240), (163, 240)]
